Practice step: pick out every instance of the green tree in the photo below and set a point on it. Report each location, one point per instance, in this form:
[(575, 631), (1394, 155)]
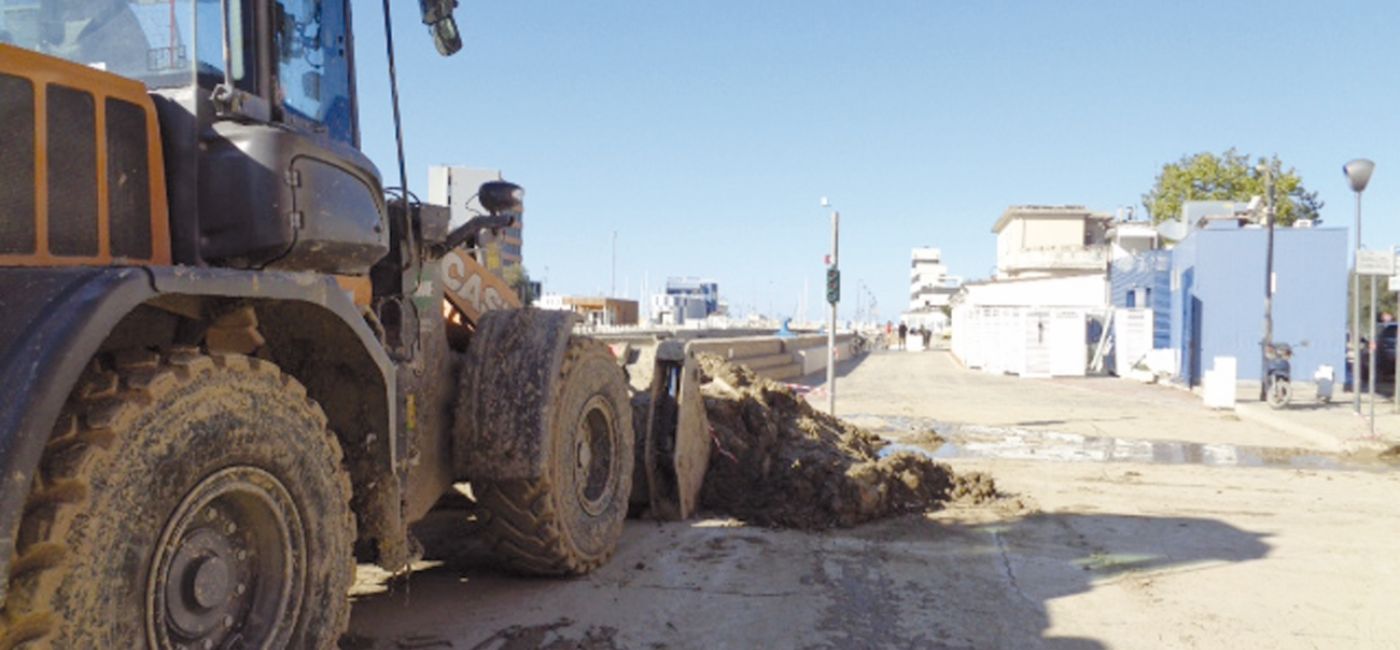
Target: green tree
[(1228, 177)]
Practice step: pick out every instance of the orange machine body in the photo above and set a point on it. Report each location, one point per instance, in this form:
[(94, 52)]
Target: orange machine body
[(113, 211)]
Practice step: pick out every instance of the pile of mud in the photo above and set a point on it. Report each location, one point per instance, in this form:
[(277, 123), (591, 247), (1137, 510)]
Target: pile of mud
[(777, 461)]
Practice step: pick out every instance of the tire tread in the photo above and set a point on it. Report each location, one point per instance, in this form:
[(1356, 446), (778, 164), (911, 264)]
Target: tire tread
[(522, 525), (107, 399)]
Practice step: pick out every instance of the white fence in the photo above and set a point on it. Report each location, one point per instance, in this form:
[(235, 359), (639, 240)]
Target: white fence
[(1132, 339), (1026, 341)]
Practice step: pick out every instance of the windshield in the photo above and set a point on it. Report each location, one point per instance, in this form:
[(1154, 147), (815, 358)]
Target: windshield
[(153, 41)]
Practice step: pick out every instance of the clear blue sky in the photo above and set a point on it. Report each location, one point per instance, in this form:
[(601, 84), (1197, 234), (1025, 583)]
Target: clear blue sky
[(704, 132)]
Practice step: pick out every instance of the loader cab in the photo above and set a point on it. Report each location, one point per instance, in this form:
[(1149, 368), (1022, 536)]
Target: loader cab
[(258, 130), (295, 70), (281, 183), (290, 60), (249, 135)]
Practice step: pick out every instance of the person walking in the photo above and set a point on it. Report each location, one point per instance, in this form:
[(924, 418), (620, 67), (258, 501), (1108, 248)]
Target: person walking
[(903, 333)]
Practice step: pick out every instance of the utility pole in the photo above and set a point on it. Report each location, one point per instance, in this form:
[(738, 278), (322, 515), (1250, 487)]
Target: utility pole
[(1268, 342)]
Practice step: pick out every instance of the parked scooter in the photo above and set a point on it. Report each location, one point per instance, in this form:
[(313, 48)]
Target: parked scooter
[(1279, 386)]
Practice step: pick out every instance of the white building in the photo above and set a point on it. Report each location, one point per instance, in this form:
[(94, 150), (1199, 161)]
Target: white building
[(1041, 313), (1129, 238), (1040, 241), (678, 309), (930, 289), (1048, 256), (687, 300)]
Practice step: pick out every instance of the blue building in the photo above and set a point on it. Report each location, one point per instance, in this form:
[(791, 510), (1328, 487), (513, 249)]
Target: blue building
[(1208, 293), (1144, 281), (1218, 297), (705, 289)]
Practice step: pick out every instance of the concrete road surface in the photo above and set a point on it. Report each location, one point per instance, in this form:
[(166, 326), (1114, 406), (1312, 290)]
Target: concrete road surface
[(1191, 550)]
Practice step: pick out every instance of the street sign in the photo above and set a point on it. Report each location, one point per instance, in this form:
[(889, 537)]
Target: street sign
[(1375, 262), (1395, 283)]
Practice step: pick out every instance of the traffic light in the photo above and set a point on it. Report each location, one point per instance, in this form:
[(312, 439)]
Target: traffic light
[(833, 285)]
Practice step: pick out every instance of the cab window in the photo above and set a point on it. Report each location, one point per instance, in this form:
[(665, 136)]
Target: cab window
[(313, 70), (209, 42)]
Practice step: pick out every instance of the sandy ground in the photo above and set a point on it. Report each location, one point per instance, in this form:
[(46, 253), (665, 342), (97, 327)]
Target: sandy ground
[(1083, 554), (933, 385)]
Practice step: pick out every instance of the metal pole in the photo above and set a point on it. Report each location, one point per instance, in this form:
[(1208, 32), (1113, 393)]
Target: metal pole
[(831, 326), (1356, 315), (1373, 347), (612, 290), (1268, 287), (1395, 384)]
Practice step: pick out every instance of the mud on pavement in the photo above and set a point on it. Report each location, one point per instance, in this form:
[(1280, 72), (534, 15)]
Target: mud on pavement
[(776, 461)]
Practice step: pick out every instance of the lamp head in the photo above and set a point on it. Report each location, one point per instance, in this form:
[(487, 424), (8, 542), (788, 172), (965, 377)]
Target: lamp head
[(1359, 173)]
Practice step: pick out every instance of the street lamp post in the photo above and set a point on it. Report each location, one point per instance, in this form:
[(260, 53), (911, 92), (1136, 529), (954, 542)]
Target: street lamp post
[(1358, 173), (834, 299)]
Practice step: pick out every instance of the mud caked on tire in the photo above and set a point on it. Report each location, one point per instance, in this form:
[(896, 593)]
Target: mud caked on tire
[(184, 501), (568, 521)]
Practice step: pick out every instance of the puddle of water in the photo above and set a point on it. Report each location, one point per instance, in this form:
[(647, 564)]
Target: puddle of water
[(975, 441)]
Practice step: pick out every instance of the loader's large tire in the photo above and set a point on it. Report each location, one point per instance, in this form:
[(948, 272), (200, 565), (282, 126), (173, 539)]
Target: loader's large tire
[(184, 501), (568, 521)]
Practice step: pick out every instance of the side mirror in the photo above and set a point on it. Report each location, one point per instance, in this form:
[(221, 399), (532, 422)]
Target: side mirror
[(437, 15), (501, 197)]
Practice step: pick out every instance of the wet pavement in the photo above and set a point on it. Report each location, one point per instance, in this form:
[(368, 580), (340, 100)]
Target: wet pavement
[(1016, 443)]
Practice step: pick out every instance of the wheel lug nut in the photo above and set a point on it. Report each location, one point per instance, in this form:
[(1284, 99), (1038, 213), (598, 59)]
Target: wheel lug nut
[(228, 621), (243, 555), (242, 588), (208, 644), (230, 528)]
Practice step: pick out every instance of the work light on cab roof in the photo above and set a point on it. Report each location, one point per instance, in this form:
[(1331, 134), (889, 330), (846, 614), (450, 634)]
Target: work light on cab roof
[(502, 197)]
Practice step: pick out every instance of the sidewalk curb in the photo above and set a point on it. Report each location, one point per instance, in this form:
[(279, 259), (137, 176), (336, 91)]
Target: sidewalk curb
[(1266, 416)]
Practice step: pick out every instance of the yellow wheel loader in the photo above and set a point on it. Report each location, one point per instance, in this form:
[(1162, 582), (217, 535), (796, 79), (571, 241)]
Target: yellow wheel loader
[(232, 365)]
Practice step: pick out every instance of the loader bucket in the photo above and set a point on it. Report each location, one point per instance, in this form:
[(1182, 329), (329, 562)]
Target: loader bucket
[(675, 435)]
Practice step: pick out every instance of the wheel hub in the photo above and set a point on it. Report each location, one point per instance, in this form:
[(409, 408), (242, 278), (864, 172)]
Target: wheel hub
[(200, 592), (211, 582), (594, 457), (228, 570)]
